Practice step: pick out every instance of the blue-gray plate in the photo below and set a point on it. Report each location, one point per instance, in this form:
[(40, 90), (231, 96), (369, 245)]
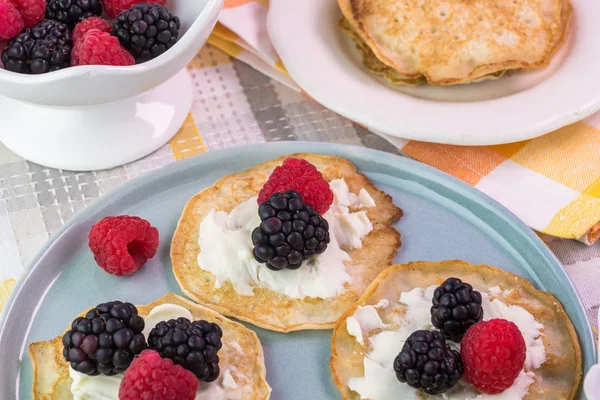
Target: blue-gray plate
[(444, 218)]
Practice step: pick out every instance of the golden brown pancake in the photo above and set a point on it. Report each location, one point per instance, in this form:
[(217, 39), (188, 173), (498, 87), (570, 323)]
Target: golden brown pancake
[(557, 378), (373, 64), (51, 379), (267, 308), (459, 41)]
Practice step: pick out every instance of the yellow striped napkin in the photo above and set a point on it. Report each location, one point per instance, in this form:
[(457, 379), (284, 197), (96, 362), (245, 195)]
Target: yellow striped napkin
[(552, 182)]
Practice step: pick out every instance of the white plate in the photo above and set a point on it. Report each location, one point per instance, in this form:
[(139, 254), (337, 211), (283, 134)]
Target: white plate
[(325, 64)]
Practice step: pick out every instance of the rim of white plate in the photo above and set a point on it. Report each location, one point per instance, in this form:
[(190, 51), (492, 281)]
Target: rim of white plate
[(316, 54)]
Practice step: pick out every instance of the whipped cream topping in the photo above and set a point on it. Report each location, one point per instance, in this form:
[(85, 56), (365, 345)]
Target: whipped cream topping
[(102, 387), (164, 312), (226, 247), (379, 380), (99, 387)]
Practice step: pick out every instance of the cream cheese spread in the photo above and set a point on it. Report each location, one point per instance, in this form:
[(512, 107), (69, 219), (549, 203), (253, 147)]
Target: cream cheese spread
[(379, 380), (226, 248), (102, 387)]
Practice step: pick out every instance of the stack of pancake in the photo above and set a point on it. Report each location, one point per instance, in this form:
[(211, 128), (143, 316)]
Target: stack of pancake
[(448, 42)]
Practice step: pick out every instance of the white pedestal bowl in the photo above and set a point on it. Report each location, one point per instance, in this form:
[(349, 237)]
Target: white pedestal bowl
[(97, 117)]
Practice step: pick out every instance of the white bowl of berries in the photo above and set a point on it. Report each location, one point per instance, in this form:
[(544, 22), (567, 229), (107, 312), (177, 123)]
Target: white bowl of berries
[(93, 84)]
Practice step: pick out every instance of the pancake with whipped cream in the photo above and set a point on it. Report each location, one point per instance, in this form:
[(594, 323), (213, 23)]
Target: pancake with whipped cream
[(242, 374), (369, 336), (212, 250), (459, 41)]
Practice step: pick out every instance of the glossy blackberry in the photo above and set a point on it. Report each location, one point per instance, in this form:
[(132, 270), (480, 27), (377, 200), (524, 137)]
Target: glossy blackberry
[(71, 12), (427, 362), (146, 30), (289, 233), (193, 345), (46, 47), (106, 340), (456, 307)]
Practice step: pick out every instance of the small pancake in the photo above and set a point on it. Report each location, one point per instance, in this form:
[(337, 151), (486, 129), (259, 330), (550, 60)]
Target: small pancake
[(557, 378), (51, 379), (373, 64), (267, 308), (462, 40)]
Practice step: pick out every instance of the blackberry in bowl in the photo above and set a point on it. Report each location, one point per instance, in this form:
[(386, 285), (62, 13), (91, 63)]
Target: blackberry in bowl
[(102, 110), (427, 362), (456, 307), (193, 345), (71, 12), (290, 232), (106, 340), (46, 47), (146, 30)]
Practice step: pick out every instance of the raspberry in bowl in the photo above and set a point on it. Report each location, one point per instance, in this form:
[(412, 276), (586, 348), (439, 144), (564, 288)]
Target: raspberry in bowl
[(90, 117)]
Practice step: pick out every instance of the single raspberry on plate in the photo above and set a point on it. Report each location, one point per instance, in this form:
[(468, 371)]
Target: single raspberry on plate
[(114, 7), (32, 11), (303, 177), (121, 245), (100, 48), (82, 28), (493, 353), (153, 377), (11, 22)]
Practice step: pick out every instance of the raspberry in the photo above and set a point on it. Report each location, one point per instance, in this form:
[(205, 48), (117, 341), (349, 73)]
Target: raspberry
[(493, 353), (82, 28), (122, 244), (11, 22), (153, 377), (304, 178), (114, 7), (100, 48), (32, 11)]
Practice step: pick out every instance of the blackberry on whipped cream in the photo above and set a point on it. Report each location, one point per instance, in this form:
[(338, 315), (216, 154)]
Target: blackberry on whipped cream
[(106, 340)]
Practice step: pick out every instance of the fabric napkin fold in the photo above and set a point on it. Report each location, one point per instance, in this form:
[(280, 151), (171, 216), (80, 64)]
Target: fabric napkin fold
[(551, 182)]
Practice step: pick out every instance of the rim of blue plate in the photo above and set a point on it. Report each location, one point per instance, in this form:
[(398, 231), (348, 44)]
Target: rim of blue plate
[(375, 157)]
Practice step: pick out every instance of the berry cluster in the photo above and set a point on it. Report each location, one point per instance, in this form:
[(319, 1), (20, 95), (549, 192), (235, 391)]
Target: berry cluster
[(492, 353), (109, 341), (48, 35), (178, 353), (291, 203)]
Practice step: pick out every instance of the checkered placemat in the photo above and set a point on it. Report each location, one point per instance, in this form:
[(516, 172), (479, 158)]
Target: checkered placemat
[(234, 105)]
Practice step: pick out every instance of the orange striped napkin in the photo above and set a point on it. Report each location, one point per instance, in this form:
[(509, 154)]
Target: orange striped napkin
[(552, 182)]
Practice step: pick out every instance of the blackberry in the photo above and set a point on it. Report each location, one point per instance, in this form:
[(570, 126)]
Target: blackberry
[(193, 345), (146, 30), (456, 307), (427, 362), (289, 233), (71, 12), (106, 340), (46, 47)]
